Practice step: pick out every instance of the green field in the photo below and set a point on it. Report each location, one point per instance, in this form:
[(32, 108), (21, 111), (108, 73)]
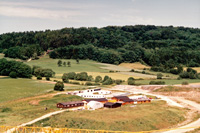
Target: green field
[(84, 66), (12, 89), (150, 116), (18, 112)]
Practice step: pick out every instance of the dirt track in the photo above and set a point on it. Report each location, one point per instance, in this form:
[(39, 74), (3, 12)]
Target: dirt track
[(193, 124)]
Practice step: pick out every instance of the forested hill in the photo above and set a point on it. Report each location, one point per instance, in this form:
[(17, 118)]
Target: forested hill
[(154, 45)]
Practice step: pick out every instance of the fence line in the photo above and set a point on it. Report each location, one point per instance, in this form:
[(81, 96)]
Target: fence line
[(15, 129)]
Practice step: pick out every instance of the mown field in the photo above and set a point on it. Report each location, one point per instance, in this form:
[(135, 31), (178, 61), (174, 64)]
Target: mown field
[(151, 116), (12, 89)]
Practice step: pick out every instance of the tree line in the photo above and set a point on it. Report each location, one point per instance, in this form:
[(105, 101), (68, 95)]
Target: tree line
[(153, 45)]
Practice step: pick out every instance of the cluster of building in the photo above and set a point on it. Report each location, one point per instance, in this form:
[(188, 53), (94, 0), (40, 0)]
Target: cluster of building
[(96, 103), (91, 93)]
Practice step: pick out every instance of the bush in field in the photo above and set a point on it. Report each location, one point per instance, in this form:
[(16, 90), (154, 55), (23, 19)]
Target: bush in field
[(118, 81), (88, 83), (59, 63), (131, 81), (98, 79), (59, 86), (71, 75), (39, 77), (83, 76), (185, 83), (48, 78), (105, 78), (90, 78), (43, 72), (75, 82), (13, 74), (109, 81), (65, 78), (156, 82), (159, 76)]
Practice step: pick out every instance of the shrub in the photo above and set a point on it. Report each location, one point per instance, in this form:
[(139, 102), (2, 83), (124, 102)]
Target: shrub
[(47, 78), (98, 79), (59, 86), (65, 78), (156, 82), (132, 70), (143, 72), (109, 81), (90, 78), (105, 78), (159, 76), (39, 77), (88, 83), (179, 78), (185, 83), (131, 82), (118, 81), (6, 110), (75, 82), (111, 71), (13, 74)]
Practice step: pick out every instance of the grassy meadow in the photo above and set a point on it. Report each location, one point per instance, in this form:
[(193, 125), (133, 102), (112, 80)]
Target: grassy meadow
[(21, 111), (12, 89), (83, 66), (150, 116)]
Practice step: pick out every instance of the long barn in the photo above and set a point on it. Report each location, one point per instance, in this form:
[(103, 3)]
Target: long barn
[(70, 104)]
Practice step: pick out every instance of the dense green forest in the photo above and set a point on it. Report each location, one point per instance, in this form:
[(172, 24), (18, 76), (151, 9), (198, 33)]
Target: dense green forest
[(154, 45)]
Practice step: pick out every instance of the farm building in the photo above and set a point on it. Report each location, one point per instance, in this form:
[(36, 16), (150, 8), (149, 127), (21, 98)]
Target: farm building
[(123, 99), (102, 100), (120, 98), (146, 100), (70, 104), (90, 95), (94, 105), (112, 105)]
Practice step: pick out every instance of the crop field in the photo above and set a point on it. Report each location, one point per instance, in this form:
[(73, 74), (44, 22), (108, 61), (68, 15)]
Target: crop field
[(139, 75), (136, 65), (83, 66), (12, 89), (151, 116)]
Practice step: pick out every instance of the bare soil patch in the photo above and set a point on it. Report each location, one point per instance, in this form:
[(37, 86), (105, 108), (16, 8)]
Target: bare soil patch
[(136, 65), (34, 102)]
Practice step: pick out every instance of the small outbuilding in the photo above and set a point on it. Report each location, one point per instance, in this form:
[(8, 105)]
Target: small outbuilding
[(94, 105), (70, 104), (112, 105)]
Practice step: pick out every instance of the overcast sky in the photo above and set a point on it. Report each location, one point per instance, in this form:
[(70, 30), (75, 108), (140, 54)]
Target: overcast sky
[(31, 15)]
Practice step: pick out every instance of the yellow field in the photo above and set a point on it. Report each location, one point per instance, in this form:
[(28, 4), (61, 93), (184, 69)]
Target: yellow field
[(136, 65), (197, 69)]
